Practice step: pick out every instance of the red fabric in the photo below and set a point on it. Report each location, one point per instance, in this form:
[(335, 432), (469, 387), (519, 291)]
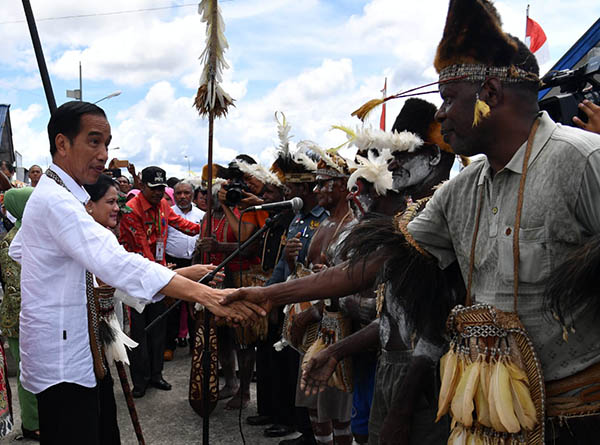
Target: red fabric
[(537, 36), (382, 118), (219, 225), (139, 229)]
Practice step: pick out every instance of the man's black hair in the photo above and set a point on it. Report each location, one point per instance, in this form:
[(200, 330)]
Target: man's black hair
[(98, 190), (198, 190), (67, 120), (172, 181)]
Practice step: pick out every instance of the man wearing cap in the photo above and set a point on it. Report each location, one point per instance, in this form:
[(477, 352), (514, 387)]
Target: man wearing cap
[(144, 231)]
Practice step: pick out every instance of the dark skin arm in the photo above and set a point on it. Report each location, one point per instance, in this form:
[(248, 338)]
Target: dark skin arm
[(396, 426), (316, 372), (333, 282)]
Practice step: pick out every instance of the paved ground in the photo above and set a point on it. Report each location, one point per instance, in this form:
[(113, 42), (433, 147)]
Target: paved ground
[(167, 418)]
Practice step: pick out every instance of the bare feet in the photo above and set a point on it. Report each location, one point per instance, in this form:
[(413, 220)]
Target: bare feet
[(237, 400), (228, 391)]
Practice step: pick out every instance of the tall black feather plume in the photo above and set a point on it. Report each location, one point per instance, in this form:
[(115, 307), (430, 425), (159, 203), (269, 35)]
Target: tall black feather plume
[(574, 284), (427, 292)]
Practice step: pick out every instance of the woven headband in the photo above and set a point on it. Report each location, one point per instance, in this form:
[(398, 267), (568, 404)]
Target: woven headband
[(299, 177), (480, 73)]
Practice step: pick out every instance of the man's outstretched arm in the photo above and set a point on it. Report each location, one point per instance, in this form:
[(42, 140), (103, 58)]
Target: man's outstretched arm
[(338, 281)]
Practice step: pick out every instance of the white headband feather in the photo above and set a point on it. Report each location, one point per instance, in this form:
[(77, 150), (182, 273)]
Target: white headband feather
[(216, 185), (368, 137), (374, 169), (259, 172), (323, 154)]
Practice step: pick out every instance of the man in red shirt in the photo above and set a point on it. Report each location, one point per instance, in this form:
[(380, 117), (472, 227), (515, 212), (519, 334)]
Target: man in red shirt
[(144, 231)]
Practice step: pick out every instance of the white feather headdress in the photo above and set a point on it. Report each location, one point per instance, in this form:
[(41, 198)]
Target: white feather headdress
[(366, 138), (259, 172), (332, 161), (216, 185), (373, 168)]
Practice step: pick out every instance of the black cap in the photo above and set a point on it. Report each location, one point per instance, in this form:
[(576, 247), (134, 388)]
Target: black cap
[(154, 177)]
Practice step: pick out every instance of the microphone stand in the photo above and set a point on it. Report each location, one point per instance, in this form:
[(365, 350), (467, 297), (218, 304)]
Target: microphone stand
[(205, 280), (211, 275)]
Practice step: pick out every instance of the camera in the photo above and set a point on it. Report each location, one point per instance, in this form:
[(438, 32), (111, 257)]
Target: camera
[(236, 185), (575, 86)]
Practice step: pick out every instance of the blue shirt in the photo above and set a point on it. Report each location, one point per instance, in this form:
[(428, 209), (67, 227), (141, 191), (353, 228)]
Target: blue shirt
[(307, 226)]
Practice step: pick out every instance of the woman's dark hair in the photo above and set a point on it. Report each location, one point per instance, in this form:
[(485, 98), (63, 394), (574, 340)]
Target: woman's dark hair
[(8, 166), (67, 120), (98, 190)]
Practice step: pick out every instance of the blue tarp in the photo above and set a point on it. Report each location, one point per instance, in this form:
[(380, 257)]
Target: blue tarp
[(577, 52)]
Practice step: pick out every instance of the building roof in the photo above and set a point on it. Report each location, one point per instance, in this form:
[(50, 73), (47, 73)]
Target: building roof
[(7, 152)]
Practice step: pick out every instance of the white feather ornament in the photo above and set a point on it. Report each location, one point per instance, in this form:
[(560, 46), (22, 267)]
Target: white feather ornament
[(323, 154), (283, 132), (216, 185), (367, 138), (374, 169), (259, 172), (210, 96)]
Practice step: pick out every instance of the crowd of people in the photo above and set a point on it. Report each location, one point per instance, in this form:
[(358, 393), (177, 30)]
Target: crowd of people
[(389, 304)]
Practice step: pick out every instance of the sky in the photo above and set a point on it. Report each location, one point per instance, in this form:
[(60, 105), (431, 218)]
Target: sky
[(314, 60)]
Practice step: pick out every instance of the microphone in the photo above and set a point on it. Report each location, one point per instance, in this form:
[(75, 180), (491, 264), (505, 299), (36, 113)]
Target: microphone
[(295, 204)]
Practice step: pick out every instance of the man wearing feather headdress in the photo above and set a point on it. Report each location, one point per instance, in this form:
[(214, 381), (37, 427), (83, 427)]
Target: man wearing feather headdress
[(414, 168)]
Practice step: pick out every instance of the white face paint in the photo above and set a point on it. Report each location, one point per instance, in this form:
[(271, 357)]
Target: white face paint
[(411, 169)]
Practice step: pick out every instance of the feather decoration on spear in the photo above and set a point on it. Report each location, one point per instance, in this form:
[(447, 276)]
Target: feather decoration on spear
[(210, 96)]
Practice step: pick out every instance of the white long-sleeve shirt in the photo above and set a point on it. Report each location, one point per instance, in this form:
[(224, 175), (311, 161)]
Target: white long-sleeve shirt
[(180, 245), (58, 241)]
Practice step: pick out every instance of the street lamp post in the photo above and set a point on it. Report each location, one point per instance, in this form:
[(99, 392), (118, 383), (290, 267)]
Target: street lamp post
[(114, 94), (188, 161)]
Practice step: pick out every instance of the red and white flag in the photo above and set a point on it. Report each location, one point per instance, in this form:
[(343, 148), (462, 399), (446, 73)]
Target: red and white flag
[(535, 39), (382, 118)]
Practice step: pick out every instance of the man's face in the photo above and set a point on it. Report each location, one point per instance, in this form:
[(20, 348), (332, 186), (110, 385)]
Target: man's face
[(255, 186), (35, 173), (183, 196), (361, 197), (410, 169), (153, 194), (84, 157), (272, 193), (456, 117), (329, 191)]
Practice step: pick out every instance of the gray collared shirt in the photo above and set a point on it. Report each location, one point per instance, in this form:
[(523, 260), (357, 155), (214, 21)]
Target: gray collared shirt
[(561, 211)]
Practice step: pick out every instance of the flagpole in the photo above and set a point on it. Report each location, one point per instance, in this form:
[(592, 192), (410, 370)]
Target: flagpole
[(526, 22)]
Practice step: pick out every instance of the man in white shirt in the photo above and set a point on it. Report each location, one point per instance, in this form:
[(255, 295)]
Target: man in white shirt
[(57, 244), (180, 248)]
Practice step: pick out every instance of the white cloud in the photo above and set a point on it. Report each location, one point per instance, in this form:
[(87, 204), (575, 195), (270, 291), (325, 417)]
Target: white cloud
[(33, 145), (309, 59)]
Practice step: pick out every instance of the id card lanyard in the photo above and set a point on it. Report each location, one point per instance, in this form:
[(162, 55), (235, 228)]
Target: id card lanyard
[(160, 241)]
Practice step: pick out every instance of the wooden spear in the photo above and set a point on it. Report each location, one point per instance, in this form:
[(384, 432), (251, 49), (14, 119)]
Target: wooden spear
[(211, 100)]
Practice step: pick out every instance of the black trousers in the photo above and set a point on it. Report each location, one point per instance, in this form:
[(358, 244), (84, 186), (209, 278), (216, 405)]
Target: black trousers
[(72, 414), (573, 431), (173, 319), (146, 361)]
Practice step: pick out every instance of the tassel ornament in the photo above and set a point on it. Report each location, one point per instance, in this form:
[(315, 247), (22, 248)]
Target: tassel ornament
[(482, 111)]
